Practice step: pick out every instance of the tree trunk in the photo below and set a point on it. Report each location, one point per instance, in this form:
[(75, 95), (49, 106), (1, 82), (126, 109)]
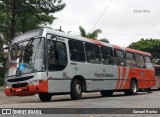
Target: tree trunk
[(13, 21)]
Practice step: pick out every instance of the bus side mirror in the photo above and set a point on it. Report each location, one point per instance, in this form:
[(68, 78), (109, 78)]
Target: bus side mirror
[(52, 37), (5, 48)]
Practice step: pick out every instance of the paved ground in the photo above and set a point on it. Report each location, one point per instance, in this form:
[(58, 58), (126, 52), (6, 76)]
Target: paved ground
[(91, 100)]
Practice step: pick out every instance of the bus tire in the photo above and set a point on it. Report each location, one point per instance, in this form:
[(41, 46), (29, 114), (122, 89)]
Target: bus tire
[(133, 88), (105, 93), (76, 89), (45, 97)]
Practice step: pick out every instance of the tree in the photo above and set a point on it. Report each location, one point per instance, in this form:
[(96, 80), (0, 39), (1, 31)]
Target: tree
[(92, 35), (18, 16), (104, 40), (148, 45)]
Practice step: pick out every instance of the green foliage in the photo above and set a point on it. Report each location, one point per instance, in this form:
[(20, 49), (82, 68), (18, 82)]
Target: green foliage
[(92, 35), (18, 16), (1, 76), (148, 45), (1, 81), (104, 40)]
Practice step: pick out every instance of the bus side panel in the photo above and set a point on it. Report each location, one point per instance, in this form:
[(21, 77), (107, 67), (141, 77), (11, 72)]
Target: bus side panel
[(124, 75), (89, 85), (127, 74), (90, 72), (97, 85), (56, 86), (147, 79), (111, 77), (110, 84)]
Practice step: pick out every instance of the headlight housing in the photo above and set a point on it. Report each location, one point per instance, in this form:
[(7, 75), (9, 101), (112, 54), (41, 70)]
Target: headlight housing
[(36, 82), (7, 85)]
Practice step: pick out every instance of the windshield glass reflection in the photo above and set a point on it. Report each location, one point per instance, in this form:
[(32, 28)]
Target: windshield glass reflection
[(26, 57)]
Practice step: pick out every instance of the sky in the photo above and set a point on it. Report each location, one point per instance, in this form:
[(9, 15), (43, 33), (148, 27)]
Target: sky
[(122, 21)]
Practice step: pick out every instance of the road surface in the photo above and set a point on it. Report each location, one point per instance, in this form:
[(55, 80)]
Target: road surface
[(89, 100)]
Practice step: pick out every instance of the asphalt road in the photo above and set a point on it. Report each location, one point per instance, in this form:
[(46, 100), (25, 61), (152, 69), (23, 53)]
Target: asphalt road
[(89, 100)]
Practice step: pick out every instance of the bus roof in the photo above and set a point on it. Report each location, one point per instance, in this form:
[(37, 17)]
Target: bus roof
[(38, 32)]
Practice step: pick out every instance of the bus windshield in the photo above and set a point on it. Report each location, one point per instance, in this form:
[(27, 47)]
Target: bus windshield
[(26, 57)]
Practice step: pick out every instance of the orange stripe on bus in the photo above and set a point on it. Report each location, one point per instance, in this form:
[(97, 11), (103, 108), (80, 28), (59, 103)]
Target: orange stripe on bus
[(96, 42), (118, 77), (123, 75), (116, 46), (138, 51)]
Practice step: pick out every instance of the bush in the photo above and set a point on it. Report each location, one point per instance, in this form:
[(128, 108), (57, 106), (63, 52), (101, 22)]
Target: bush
[(1, 76), (1, 81)]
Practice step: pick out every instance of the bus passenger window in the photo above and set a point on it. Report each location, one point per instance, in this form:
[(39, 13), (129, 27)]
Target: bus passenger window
[(120, 58), (140, 61), (107, 56), (76, 49), (130, 60), (57, 55), (92, 53), (149, 64)]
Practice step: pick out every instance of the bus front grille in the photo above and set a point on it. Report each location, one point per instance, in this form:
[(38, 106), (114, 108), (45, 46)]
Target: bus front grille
[(20, 79), (18, 85)]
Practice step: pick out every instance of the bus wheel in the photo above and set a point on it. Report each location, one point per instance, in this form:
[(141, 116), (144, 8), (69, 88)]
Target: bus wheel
[(76, 90), (133, 88), (105, 93), (45, 97)]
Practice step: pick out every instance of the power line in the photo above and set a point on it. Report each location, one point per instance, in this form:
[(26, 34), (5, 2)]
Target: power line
[(127, 34), (110, 33), (101, 15)]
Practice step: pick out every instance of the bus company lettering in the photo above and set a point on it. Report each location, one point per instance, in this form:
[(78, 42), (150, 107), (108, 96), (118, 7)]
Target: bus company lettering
[(103, 75)]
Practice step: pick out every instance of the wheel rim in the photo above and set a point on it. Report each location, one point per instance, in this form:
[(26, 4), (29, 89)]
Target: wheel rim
[(78, 88), (134, 87)]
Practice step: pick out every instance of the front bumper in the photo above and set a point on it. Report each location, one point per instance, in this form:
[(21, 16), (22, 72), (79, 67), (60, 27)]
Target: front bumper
[(28, 90)]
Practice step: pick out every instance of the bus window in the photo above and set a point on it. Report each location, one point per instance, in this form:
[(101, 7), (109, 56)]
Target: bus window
[(92, 53), (107, 56), (57, 55), (76, 49), (120, 58), (149, 64), (130, 60), (140, 61)]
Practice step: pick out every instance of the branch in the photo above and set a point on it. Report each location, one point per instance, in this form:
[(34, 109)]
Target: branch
[(5, 11)]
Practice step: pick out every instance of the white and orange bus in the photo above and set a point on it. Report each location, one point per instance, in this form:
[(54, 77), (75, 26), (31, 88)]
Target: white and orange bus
[(47, 62)]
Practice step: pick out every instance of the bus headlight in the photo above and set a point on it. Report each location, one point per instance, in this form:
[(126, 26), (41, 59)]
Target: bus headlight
[(36, 82)]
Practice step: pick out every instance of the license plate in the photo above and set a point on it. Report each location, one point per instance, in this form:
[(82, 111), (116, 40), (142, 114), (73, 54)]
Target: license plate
[(18, 90)]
